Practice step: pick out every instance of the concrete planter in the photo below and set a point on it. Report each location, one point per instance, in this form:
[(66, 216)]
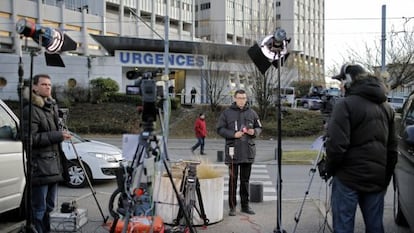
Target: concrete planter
[(167, 207)]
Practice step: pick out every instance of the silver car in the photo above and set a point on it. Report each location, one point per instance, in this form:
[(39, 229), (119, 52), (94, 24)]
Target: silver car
[(404, 170), (101, 160)]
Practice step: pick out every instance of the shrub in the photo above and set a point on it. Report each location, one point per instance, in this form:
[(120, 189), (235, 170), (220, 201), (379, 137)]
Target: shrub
[(124, 98), (102, 88)]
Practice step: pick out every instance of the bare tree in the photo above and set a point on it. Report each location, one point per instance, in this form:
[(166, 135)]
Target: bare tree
[(264, 86), (214, 77), (262, 89), (399, 58)]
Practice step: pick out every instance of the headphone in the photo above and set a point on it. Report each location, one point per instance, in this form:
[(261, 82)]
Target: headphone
[(348, 79)]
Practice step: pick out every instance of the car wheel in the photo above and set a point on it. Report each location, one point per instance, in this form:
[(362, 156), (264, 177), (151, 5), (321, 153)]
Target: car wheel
[(76, 176), (399, 217), (305, 105)]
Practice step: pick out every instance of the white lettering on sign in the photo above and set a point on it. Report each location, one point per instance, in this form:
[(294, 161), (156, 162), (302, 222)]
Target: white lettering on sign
[(154, 59)]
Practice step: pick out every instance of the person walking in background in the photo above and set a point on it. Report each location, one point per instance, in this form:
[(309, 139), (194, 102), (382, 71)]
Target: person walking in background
[(47, 155), (361, 150), (193, 95), (200, 130), (239, 125)]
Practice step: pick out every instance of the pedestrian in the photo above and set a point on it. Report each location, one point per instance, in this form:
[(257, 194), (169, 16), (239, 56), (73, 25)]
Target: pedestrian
[(361, 148), (200, 129), (193, 95), (239, 125), (171, 90), (47, 157)]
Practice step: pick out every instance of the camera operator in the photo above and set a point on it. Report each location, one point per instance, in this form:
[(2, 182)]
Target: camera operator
[(361, 150)]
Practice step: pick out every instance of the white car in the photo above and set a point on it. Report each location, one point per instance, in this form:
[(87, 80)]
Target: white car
[(12, 175), (101, 160)]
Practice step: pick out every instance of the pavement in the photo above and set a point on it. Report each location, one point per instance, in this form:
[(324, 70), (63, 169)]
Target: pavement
[(299, 212)]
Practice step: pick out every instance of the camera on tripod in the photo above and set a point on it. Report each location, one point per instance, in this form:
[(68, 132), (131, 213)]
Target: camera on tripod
[(144, 84), (328, 97), (150, 90)]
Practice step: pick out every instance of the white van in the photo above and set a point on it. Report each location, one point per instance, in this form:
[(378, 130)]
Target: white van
[(396, 102), (12, 176)]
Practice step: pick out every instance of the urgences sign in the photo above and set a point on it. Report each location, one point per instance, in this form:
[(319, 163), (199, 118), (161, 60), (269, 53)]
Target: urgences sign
[(154, 59)]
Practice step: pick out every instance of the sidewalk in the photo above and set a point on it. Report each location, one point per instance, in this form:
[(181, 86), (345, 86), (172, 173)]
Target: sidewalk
[(312, 219)]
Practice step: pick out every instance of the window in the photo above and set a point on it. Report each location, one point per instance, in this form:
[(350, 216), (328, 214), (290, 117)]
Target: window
[(8, 127), (205, 6)]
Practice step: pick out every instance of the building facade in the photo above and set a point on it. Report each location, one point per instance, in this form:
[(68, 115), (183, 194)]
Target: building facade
[(193, 22)]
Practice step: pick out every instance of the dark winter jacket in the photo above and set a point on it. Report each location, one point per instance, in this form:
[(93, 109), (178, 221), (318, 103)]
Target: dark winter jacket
[(47, 155), (235, 119), (361, 141)]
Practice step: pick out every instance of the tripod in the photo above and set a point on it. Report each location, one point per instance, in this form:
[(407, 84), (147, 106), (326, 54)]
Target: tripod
[(317, 165), (62, 119), (142, 165), (189, 188)]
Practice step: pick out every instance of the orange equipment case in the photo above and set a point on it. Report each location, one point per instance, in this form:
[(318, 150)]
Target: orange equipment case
[(142, 224)]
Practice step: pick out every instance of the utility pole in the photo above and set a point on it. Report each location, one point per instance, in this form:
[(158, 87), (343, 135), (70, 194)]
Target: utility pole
[(166, 76), (383, 37)]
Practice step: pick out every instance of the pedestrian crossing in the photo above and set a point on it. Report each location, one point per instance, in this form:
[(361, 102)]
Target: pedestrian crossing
[(259, 173)]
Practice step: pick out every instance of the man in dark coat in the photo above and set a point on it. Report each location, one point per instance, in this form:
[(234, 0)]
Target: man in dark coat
[(361, 150), (239, 125), (193, 93), (47, 156)]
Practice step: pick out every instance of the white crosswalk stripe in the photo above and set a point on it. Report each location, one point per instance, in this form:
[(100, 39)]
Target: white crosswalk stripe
[(259, 174)]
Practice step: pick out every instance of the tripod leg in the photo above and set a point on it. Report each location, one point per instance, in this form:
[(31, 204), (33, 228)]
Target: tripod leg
[(89, 182), (313, 171), (202, 212), (179, 199), (180, 213)]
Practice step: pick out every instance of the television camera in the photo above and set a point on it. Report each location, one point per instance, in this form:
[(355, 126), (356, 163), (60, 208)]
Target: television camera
[(328, 96), (144, 154), (146, 86)]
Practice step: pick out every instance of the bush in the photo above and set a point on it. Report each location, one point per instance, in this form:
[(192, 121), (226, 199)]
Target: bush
[(102, 88), (77, 94), (122, 117), (124, 98)]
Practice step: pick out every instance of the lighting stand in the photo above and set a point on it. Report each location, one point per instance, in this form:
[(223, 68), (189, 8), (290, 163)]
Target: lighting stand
[(272, 48), (27, 142), (278, 228)]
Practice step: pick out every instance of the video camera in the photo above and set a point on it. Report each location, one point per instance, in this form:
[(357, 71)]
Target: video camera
[(328, 96), (146, 87)]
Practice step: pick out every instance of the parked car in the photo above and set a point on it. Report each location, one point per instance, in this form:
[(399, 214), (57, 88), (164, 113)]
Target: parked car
[(403, 179), (101, 160), (311, 103), (12, 173), (396, 102)]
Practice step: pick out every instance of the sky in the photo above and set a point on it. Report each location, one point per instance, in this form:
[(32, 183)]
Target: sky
[(352, 24)]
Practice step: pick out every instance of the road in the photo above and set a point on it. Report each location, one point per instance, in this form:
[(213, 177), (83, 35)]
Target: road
[(296, 186)]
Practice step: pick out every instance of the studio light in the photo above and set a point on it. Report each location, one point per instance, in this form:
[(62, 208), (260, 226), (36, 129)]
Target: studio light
[(272, 50), (268, 51), (53, 40), (275, 46)]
